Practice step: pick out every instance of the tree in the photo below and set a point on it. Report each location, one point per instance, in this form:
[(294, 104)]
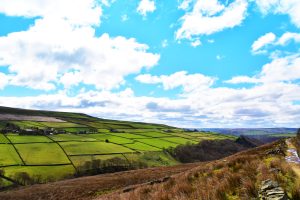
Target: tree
[(23, 178), (1, 180)]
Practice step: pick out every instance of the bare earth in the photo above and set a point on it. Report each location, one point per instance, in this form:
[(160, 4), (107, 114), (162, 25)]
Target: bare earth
[(29, 118)]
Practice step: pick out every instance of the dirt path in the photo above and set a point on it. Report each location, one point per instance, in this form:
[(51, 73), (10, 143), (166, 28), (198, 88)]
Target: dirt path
[(292, 157)]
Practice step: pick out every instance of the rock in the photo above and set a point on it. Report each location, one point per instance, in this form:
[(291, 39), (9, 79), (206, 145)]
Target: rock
[(276, 151), (270, 190), (275, 170)]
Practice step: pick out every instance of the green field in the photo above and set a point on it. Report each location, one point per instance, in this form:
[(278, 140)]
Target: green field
[(46, 157), (70, 137), (154, 134), (111, 138), (157, 142), (179, 140), (53, 157), (142, 147), (129, 135), (80, 160), (42, 154), (5, 183), (27, 139), (82, 148), (46, 173), (9, 155), (3, 139)]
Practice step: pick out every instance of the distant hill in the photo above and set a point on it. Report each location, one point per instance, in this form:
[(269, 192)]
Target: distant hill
[(252, 131), (68, 116)]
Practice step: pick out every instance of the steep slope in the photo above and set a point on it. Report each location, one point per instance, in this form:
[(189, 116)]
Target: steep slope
[(241, 176)]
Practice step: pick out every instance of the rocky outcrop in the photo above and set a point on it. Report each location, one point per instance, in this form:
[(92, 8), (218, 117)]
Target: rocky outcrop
[(270, 190), (276, 151)]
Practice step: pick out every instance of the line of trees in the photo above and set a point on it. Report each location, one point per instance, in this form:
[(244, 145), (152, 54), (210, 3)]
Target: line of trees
[(97, 166)]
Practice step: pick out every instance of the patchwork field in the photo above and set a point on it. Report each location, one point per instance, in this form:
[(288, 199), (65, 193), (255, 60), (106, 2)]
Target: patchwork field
[(88, 142)]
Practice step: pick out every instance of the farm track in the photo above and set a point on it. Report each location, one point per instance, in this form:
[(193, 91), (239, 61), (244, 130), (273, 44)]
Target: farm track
[(86, 188)]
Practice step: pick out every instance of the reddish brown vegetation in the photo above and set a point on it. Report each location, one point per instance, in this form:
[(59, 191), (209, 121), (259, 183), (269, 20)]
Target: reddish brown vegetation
[(89, 187), (238, 176)]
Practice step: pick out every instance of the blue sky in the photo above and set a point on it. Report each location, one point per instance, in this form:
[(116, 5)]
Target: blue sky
[(189, 63)]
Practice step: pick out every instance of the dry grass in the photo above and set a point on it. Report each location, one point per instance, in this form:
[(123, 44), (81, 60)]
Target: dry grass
[(89, 187), (235, 177)]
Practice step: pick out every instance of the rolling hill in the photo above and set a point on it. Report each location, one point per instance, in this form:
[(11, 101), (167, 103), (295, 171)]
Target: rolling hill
[(250, 174), (43, 146)]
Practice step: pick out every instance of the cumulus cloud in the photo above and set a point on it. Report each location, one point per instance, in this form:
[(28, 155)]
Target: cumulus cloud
[(242, 79), (286, 69), (268, 103), (259, 106), (196, 42), (211, 16), (185, 4), (189, 82), (3, 80), (53, 50), (146, 6), (288, 7), (90, 10), (288, 37), (270, 40), (261, 42)]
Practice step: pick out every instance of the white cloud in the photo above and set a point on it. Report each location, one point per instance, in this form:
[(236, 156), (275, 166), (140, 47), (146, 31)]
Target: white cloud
[(262, 41), (196, 42), (164, 43), (270, 40), (90, 10), (210, 16), (263, 105), (185, 4), (288, 7), (286, 69), (146, 6), (124, 18), (287, 37), (242, 79), (53, 48), (4, 79), (220, 57), (189, 82), (268, 103)]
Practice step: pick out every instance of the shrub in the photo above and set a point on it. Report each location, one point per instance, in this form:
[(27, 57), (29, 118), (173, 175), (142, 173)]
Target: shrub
[(23, 178)]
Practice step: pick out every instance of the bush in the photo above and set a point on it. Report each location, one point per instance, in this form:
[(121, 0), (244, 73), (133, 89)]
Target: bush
[(206, 150), (108, 166), (23, 178)]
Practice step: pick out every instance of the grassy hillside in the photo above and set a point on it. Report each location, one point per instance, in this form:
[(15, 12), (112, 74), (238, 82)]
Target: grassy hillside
[(260, 173), (88, 145), (239, 176)]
